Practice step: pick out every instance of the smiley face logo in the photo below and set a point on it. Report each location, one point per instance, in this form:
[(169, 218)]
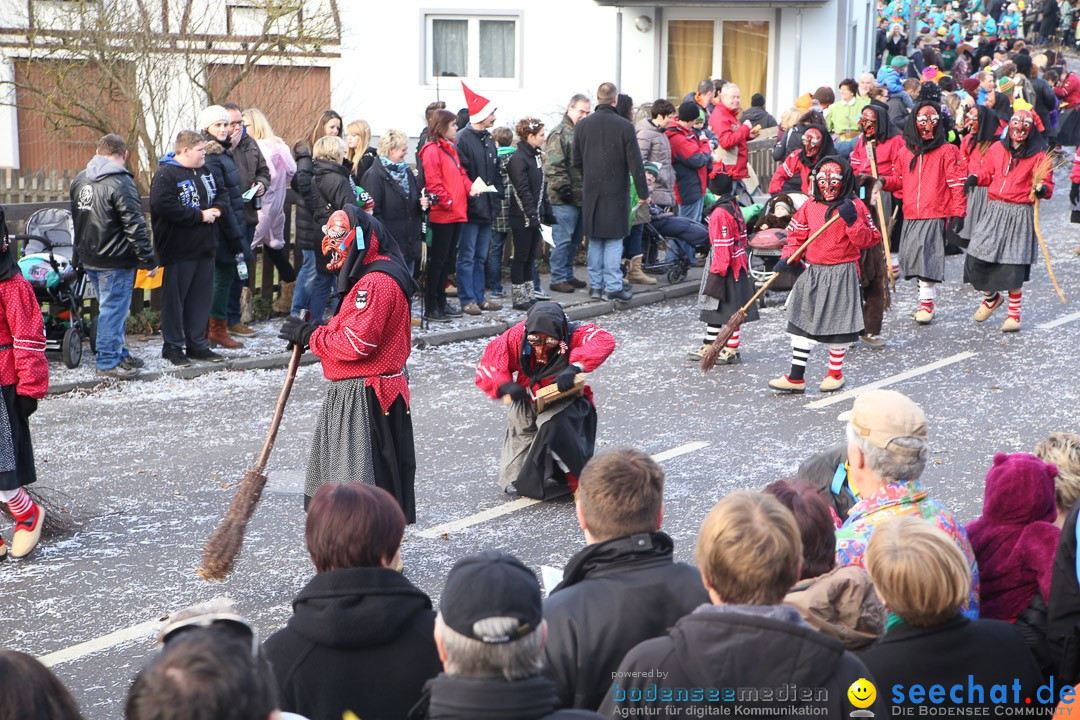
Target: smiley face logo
[(862, 693)]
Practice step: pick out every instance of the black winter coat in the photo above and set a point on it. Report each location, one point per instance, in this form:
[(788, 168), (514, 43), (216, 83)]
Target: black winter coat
[(480, 158), (719, 647), (400, 213), (308, 234), (359, 639), (1063, 616), (332, 188), (528, 189), (231, 224), (368, 159), (252, 168), (178, 195), (614, 595), (110, 228), (990, 650), (606, 149), (459, 697)]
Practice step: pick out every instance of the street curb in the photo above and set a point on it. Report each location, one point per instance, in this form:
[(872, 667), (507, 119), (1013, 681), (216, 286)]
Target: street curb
[(584, 311)]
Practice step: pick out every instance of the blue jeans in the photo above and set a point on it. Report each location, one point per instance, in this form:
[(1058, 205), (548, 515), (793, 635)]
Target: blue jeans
[(322, 287), (238, 284), (114, 301), (302, 291), (632, 243), (693, 210), (844, 147), (472, 258), (605, 264), (495, 261), (567, 235)]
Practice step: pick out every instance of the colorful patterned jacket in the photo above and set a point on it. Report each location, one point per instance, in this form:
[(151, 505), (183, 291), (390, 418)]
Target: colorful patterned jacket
[(894, 500)]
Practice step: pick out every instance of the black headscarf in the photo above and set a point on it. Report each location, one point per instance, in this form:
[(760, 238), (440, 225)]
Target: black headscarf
[(723, 188), (380, 253), (914, 141), (9, 265), (885, 128), (827, 147), (1002, 106), (1035, 144), (548, 318), (847, 186)]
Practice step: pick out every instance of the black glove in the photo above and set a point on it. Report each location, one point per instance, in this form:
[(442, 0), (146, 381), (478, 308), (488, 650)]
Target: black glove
[(565, 379), (566, 194), (1042, 192), (1074, 194), (27, 405), (954, 225), (297, 331), (515, 391), (847, 212), (532, 221), (784, 265), (971, 183)]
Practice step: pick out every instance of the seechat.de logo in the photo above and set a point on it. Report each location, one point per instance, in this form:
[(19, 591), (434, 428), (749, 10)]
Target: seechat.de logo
[(862, 694)]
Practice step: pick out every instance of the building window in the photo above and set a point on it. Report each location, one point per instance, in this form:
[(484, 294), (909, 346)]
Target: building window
[(472, 47)]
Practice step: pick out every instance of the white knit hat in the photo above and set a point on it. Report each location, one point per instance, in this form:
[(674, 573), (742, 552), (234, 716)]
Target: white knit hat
[(211, 115)]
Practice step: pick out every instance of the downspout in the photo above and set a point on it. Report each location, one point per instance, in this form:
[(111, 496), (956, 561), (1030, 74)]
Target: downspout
[(618, 48), (798, 52)]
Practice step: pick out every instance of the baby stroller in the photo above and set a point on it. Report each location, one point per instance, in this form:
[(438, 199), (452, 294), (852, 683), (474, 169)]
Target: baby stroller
[(48, 262), (676, 262), (766, 244)]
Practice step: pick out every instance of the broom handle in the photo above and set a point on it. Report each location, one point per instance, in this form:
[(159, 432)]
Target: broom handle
[(1046, 255), (794, 256), (871, 155), (279, 411)]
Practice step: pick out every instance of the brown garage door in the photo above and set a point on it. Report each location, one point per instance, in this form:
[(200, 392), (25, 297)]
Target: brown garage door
[(292, 98), (46, 91)]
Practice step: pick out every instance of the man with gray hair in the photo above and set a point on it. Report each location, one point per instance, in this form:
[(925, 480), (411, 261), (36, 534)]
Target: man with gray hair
[(888, 445), (490, 633), (731, 134)]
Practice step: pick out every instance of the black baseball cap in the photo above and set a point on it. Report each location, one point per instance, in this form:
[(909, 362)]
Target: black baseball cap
[(491, 584)]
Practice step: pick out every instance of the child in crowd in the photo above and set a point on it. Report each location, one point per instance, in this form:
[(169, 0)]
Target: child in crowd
[(504, 139)]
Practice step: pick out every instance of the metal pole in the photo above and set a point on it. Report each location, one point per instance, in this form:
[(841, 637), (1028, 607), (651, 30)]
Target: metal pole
[(618, 48), (798, 52)]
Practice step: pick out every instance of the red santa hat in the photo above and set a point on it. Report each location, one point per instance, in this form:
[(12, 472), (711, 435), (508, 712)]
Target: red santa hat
[(479, 106)]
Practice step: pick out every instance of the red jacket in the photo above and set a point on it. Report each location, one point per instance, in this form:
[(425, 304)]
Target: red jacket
[(884, 155), (728, 238), (1069, 91), (444, 176), (732, 135), (792, 166), (370, 337), (975, 159), (1075, 175), (936, 188), (839, 244), (688, 150), (590, 346), (1012, 186), (22, 339)]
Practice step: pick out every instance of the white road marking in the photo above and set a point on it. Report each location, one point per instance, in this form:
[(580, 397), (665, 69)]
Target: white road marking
[(143, 630), (891, 380), (521, 503), (1060, 321), (104, 642)]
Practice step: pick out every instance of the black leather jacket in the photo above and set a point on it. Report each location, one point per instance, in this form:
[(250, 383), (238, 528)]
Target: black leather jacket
[(110, 228)]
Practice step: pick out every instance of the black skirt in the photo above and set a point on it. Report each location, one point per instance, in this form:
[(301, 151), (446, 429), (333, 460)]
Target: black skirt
[(16, 452), (737, 293), (994, 277), (571, 436)]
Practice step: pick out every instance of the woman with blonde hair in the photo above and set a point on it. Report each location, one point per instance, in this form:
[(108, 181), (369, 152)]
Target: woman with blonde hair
[(308, 233), (923, 578), (397, 196), (270, 230), (361, 155)]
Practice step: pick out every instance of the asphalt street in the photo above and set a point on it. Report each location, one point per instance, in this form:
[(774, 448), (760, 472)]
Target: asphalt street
[(150, 467)]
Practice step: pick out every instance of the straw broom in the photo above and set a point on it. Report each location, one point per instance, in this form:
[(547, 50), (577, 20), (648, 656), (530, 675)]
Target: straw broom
[(220, 551), (870, 153), (1043, 169), (708, 361)]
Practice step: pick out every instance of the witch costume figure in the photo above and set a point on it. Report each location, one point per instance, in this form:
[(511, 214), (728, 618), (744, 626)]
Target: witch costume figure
[(364, 432), (825, 304), (545, 451), (982, 131), (24, 379), (1003, 244)]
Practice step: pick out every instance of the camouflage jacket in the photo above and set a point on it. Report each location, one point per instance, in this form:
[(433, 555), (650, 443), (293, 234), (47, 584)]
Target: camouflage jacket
[(558, 168)]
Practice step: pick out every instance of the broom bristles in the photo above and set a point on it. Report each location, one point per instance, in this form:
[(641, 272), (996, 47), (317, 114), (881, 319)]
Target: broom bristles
[(221, 550), (708, 362), (59, 520)]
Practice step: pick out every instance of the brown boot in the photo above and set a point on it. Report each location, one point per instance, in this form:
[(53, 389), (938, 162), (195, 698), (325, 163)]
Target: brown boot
[(636, 274), (219, 336), (284, 302)]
